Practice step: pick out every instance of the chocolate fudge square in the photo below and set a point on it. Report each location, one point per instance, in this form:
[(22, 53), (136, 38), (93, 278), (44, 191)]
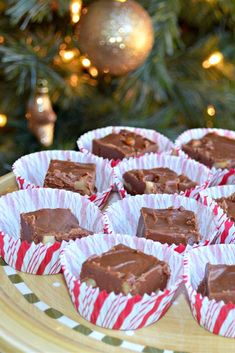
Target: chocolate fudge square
[(125, 270), (50, 225), (219, 283), (72, 176), (212, 150), (172, 226), (228, 205), (155, 181), (122, 145)]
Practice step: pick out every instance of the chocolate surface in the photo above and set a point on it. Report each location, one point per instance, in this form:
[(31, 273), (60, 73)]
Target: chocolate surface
[(228, 205), (122, 144), (219, 283), (49, 225), (212, 150), (172, 226), (125, 270), (155, 181), (73, 176)]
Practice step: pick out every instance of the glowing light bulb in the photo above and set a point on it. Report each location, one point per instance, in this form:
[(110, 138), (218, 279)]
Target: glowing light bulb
[(211, 110), (67, 55), (3, 120), (74, 80), (93, 71), (214, 59), (86, 62), (75, 9)]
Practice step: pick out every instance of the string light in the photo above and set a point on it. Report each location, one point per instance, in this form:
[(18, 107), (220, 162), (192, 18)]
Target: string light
[(211, 110), (3, 120), (67, 55), (75, 9), (93, 71), (63, 46), (214, 59), (74, 80), (86, 62)]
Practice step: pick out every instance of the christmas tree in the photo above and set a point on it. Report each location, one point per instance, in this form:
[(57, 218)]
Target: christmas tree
[(187, 81)]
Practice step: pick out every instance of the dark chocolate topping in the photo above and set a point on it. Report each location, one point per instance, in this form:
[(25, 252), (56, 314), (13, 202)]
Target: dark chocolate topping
[(228, 205), (219, 282), (123, 144), (155, 180), (73, 176), (212, 150), (126, 270)]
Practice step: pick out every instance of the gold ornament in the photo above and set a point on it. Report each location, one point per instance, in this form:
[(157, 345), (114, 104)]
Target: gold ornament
[(117, 36), (40, 115)]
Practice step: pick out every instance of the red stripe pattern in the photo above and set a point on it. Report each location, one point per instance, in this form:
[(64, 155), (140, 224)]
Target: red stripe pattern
[(31, 169), (117, 311), (216, 317), (40, 259)]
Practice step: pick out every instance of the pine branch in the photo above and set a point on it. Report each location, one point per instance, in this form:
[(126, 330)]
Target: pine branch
[(24, 11)]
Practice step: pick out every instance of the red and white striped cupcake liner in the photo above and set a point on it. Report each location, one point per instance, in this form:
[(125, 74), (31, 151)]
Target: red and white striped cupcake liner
[(220, 177), (30, 171), (208, 196), (195, 171), (40, 259), (85, 141), (123, 216), (215, 316), (118, 311)]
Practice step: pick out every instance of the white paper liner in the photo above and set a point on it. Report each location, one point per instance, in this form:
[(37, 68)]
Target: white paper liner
[(195, 171), (30, 171), (208, 196), (123, 216), (118, 311), (216, 317), (40, 258), (85, 141), (220, 177)]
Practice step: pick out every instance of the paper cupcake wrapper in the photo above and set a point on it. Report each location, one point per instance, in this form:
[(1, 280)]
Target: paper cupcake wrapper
[(118, 311), (220, 177), (216, 317), (227, 229), (30, 171), (193, 170), (123, 216), (85, 141), (40, 259)]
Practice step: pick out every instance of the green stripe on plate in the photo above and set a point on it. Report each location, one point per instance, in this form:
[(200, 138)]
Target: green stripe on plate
[(31, 298), (83, 329), (113, 341), (15, 278), (53, 313), (149, 349)]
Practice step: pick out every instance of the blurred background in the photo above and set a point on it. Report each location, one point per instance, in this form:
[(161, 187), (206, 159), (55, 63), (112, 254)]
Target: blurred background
[(70, 66)]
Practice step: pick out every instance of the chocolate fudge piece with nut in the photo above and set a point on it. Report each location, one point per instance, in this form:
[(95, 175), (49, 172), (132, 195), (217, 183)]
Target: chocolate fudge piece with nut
[(219, 282), (172, 226), (212, 150), (50, 225), (228, 205), (122, 145), (155, 181), (72, 176), (125, 270)]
